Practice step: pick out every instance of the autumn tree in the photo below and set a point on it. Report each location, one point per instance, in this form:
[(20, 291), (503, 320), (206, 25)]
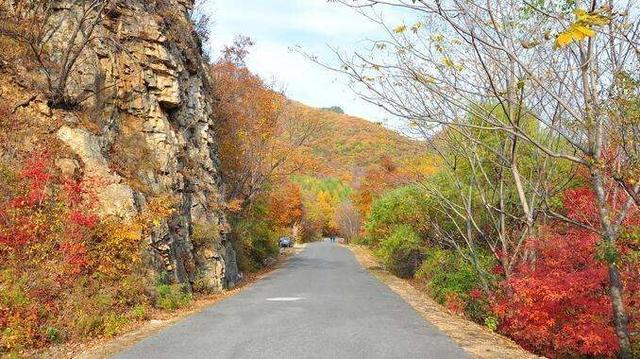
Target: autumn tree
[(285, 204), (261, 138), (348, 220), (322, 198), (479, 205), (374, 181)]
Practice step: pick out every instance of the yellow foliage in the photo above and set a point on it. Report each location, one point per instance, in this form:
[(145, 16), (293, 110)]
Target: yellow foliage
[(416, 27), (120, 247), (400, 29), (447, 62), (425, 79), (158, 210), (452, 65), (234, 205), (592, 18), (420, 166), (582, 27)]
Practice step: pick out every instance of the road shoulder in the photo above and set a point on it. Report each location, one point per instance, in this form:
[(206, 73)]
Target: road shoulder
[(478, 341)]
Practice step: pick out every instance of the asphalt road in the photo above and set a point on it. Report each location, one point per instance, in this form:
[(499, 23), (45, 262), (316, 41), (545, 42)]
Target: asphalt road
[(322, 304)]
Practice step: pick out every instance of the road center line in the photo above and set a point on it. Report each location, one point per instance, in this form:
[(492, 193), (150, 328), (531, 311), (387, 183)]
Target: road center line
[(284, 299)]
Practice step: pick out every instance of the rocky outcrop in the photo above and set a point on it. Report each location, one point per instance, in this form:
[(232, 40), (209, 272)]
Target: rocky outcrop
[(114, 197), (150, 133)]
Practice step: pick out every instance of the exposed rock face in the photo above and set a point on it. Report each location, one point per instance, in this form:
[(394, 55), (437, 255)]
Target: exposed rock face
[(156, 133), (114, 197)]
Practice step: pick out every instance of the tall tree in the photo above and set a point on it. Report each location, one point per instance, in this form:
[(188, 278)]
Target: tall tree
[(262, 138)]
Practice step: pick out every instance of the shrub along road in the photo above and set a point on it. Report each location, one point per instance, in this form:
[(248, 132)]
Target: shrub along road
[(322, 304)]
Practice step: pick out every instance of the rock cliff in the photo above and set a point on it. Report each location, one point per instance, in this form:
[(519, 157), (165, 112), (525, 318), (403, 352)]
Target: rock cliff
[(145, 129)]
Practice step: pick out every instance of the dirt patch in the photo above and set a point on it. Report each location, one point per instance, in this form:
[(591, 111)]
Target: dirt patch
[(107, 347), (478, 341)]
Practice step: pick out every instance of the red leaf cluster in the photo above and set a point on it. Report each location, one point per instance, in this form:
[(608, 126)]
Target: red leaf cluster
[(48, 212), (558, 304)]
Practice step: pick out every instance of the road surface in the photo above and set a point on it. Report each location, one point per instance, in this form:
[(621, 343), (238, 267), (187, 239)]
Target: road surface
[(321, 304)]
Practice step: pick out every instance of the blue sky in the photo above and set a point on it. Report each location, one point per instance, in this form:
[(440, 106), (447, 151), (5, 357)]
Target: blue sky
[(278, 25)]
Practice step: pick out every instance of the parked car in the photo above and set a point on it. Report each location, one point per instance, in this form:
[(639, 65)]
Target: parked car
[(285, 242)]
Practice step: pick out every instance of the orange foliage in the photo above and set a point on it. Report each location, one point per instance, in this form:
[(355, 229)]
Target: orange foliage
[(377, 179), (347, 143), (390, 173), (285, 204), (261, 140)]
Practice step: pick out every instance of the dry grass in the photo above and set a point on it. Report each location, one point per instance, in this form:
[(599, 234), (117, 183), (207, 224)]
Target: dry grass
[(478, 341)]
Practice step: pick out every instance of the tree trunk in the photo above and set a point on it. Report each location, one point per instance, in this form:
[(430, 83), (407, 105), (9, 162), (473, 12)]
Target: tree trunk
[(620, 318), (619, 314), (472, 250)]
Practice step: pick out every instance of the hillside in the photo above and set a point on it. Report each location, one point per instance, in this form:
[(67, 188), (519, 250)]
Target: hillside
[(347, 144)]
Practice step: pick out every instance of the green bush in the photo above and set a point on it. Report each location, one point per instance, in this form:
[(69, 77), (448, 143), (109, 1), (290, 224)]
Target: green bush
[(362, 240), (114, 323), (401, 252), (403, 206), (449, 275), (491, 322), (139, 312), (89, 325), (171, 296), (53, 335), (256, 240)]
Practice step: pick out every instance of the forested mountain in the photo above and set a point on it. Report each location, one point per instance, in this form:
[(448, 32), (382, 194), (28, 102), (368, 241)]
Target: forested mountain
[(347, 143)]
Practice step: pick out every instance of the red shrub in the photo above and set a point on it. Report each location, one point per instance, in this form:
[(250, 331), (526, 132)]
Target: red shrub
[(45, 227), (475, 293), (454, 303), (558, 304), (65, 274)]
